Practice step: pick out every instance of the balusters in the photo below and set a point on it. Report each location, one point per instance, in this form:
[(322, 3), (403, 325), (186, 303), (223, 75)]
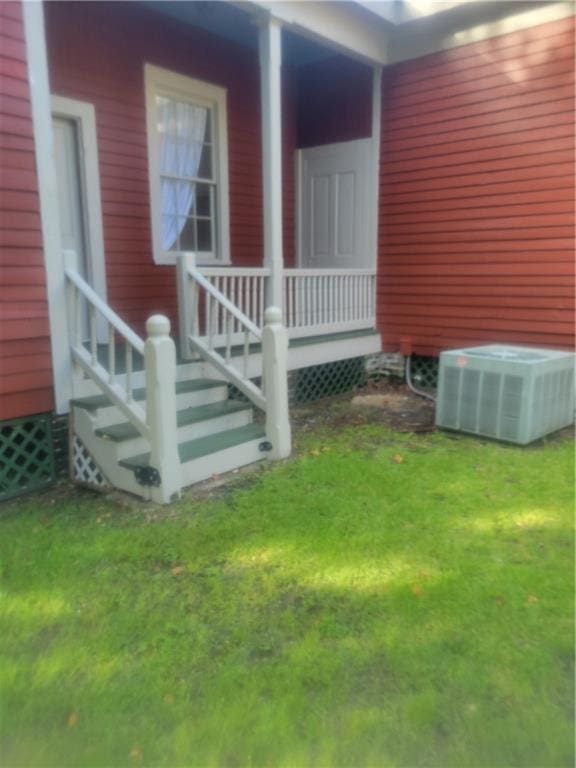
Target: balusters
[(228, 338), (246, 352), (111, 355), (93, 336), (129, 370)]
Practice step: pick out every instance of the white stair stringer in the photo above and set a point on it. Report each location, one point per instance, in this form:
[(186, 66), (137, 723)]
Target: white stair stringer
[(105, 456)]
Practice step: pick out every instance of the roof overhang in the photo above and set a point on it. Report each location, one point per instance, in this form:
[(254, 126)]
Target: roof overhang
[(344, 26)]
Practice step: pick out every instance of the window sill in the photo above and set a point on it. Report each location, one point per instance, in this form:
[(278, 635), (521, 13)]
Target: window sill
[(170, 261)]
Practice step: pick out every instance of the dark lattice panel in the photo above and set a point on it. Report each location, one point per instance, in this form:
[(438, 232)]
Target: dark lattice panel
[(319, 381), (235, 394), (424, 372), (26, 455)]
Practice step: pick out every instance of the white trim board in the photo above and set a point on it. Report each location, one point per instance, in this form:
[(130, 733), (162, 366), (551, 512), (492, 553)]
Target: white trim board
[(341, 26), (33, 14), (213, 97), (84, 115)]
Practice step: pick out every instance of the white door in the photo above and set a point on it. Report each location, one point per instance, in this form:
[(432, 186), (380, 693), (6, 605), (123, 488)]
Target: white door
[(70, 196), (79, 201), (334, 208)]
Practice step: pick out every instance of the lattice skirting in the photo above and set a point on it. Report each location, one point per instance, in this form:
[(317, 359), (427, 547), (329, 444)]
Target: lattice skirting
[(424, 372), (327, 380), (84, 468), (26, 455)]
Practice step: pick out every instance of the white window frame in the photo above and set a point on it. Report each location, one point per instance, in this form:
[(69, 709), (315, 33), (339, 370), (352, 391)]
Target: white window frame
[(159, 81)]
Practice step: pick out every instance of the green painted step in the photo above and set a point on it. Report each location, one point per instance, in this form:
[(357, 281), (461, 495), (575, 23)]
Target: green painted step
[(125, 431), (182, 387), (204, 446)]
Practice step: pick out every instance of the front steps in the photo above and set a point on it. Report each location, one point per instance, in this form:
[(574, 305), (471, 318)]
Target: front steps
[(215, 435)]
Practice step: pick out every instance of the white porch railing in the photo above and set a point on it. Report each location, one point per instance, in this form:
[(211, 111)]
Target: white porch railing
[(322, 301), (316, 301)]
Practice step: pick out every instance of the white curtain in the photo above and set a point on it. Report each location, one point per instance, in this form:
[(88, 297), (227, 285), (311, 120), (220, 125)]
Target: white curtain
[(181, 129)]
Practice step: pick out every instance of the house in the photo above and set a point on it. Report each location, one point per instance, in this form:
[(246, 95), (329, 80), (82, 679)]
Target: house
[(380, 176)]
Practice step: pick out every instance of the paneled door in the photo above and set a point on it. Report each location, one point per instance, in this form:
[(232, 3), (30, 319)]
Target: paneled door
[(334, 207), (70, 196), (78, 187)]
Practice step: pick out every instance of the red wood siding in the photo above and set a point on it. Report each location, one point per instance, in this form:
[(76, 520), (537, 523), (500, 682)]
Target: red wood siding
[(477, 194), (97, 53), (25, 363)]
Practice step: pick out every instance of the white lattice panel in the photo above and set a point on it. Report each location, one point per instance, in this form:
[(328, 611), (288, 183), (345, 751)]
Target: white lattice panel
[(84, 468)]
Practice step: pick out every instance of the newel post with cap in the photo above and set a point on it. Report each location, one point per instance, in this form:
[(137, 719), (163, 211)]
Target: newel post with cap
[(160, 366), (275, 375)]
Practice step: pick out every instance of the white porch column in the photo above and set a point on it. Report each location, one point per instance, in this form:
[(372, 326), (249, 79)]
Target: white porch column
[(376, 131), (270, 48)]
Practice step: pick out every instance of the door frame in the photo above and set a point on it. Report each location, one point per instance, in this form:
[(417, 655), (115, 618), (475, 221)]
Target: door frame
[(300, 161), (83, 115)]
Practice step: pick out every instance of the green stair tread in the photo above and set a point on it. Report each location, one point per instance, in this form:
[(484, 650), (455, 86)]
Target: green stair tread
[(204, 446), (184, 417), (94, 402)]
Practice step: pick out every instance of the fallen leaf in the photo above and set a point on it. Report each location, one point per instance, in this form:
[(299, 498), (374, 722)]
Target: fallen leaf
[(499, 600), (397, 459), (315, 452), (136, 753), (417, 590), (325, 449), (168, 699), (72, 720), (532, 599), (178, 569)]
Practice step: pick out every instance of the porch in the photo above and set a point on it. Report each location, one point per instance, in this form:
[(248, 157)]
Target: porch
[(188, 193)]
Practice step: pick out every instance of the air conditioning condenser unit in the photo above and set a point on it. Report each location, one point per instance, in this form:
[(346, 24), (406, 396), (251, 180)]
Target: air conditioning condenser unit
[(516, 394)]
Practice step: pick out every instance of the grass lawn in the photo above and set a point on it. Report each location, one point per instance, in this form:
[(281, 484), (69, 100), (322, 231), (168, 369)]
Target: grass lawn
[(382, 600)]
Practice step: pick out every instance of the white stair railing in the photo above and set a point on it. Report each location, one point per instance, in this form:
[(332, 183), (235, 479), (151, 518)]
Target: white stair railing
[(102, 369), (245, 287), (156, 421), (210, 326)]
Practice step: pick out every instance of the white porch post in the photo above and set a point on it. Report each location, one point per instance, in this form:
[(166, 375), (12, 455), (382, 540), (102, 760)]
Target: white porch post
[(275, 374), (270, 47), (160, 367), (376, 131)]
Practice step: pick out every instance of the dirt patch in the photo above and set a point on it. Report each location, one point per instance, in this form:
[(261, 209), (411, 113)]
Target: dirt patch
[(397, 408)]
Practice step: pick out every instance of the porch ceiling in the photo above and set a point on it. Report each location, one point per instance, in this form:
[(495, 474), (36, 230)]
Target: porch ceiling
[(237, 25)]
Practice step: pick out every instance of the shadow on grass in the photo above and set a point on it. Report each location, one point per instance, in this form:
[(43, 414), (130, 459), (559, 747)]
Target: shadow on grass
[(406, 609)]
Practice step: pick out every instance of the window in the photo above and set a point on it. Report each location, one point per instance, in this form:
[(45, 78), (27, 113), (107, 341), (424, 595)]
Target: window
[(187, 150)]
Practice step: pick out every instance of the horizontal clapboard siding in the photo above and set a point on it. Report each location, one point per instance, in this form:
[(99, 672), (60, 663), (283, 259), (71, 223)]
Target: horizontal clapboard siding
[(97, 53), (476, 236), (25, 361)]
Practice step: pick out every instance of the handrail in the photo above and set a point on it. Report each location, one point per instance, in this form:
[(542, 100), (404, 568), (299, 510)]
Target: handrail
[(220, 316), (121, 395), (235, 271), (328, 272), (107, 313)]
